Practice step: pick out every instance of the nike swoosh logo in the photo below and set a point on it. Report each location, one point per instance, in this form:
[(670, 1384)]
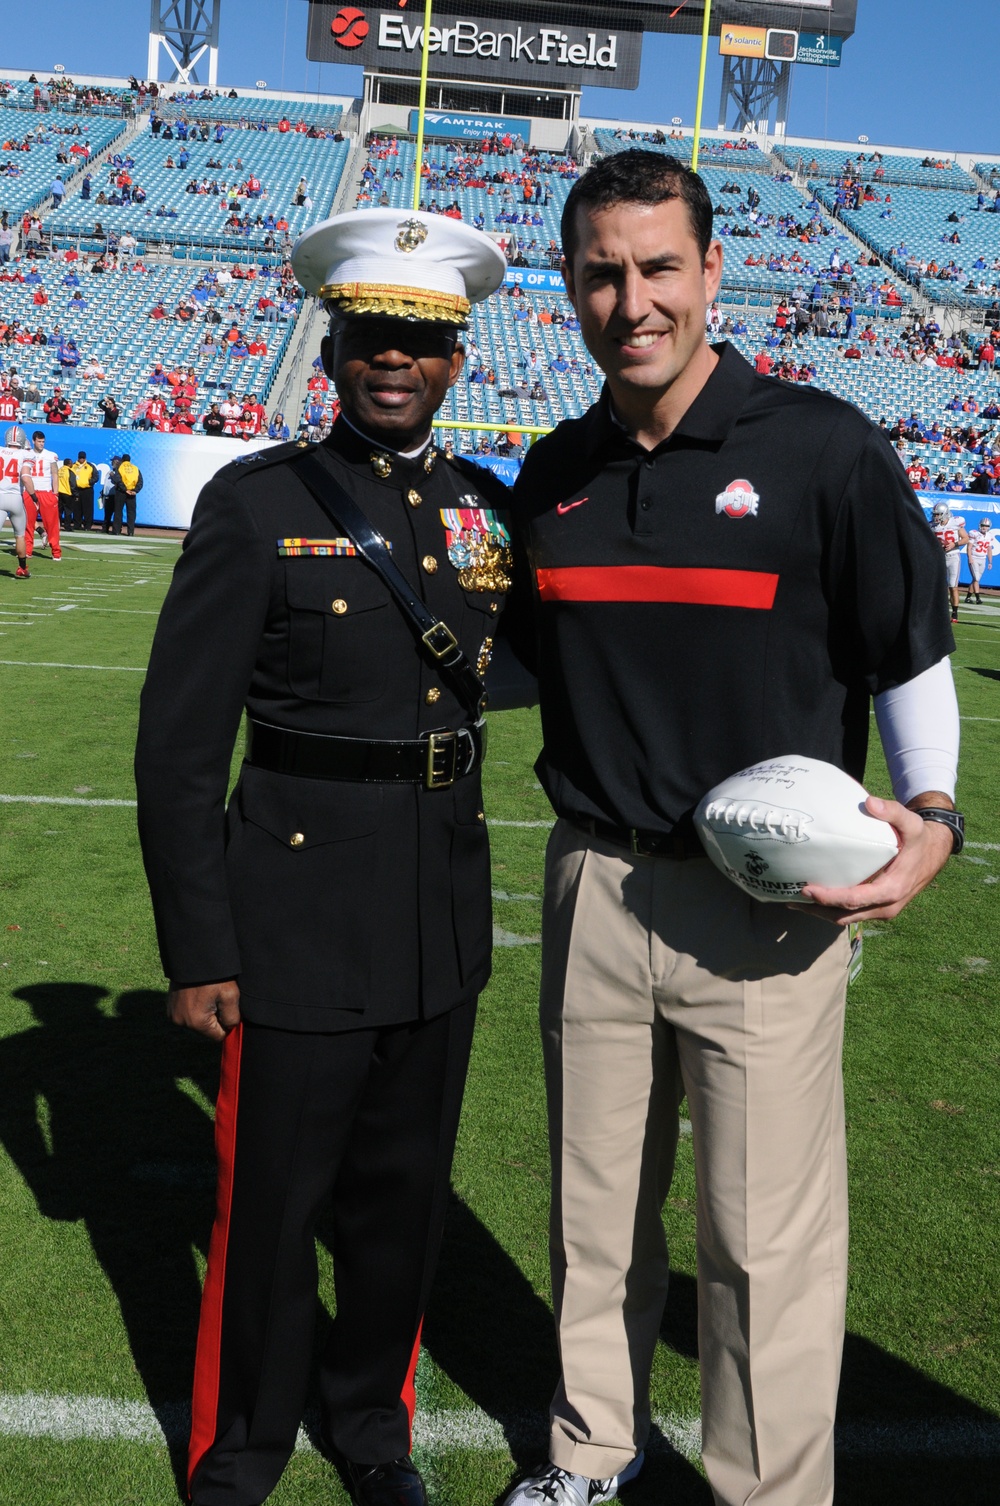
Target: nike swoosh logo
[(565, 507)]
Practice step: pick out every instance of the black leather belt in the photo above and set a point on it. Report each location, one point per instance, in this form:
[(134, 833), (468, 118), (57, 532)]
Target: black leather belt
[(680, 843), (434, 760)]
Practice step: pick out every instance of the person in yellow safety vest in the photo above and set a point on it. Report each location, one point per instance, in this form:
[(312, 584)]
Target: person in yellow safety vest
[(85, 474), (67, 496), (128, 483)]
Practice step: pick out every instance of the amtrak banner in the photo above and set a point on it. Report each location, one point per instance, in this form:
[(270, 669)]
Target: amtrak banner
[(439, 125), (174, 467)]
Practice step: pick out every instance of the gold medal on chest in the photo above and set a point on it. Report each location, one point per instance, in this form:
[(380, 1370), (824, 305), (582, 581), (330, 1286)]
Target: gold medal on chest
[(489, 566), (381, 464)]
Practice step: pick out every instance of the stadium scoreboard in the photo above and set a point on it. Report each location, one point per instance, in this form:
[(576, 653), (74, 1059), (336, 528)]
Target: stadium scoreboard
[(561, 44)]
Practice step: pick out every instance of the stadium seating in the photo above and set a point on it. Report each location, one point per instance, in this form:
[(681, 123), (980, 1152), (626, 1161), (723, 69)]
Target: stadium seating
[(278, 161), (251, 108), (116, 329), (916, 231), (742, 151), (532, 239), (28, 187), (833, 162), (779, 198)]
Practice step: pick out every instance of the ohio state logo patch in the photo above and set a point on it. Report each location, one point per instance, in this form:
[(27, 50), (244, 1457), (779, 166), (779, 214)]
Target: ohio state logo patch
[(739, 500)]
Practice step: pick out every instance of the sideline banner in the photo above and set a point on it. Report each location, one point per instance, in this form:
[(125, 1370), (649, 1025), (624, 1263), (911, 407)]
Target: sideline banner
[(471, 127), (503, 466), (174, 467), (535, 278), (969, 507)]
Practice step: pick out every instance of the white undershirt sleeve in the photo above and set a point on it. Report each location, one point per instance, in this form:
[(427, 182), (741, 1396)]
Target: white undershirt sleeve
[(919, 727)]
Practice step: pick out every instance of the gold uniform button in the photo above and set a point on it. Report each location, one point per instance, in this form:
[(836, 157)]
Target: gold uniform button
[(296, 839), (480, 815), (493, 606), (339, 606), (413, 497), (432, 696), (429, 563)]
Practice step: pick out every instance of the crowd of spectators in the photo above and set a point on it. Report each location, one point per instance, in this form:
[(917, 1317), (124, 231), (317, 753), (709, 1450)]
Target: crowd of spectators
[(786, 354), (237, 305), (518, 192), (60, 92)]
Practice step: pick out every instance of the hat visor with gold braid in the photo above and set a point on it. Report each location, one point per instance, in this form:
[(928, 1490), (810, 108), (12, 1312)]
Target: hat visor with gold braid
[(395, 302), (398, 265)]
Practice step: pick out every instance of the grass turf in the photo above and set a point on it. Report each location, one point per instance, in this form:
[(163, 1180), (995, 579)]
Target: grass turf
[(105, 1130)]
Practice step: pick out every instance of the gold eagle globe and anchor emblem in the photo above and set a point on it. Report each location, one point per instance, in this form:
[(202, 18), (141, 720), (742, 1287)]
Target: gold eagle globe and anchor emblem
[(409, 235)]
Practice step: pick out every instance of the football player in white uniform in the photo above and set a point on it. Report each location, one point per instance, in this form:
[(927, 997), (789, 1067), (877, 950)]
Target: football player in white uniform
[(980, 556), (12, 457), (40, 492), (951, 535)]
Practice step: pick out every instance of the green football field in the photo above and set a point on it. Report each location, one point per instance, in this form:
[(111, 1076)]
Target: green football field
[(106, 1184)]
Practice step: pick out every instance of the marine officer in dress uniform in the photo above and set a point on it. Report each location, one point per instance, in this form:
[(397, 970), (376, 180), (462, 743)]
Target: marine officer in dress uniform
[(331, 926)]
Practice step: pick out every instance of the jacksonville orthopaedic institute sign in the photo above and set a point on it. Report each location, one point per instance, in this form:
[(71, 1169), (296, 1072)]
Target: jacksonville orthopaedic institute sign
[(549, 56)]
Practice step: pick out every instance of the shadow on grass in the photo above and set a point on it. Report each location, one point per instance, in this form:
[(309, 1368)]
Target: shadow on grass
[(122, 1147), (125, 1150)]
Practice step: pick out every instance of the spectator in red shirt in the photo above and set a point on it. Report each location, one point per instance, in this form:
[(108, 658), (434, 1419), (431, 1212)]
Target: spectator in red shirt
[(763, 363), (57, 410)]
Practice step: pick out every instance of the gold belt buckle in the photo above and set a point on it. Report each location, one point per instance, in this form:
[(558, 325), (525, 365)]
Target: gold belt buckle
[(442, 760)]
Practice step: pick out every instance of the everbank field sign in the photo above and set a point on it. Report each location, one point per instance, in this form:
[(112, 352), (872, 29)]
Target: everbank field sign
[(556, 56)]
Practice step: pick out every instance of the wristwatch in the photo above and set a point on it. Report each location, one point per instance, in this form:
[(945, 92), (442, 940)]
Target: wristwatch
[(954, 820)]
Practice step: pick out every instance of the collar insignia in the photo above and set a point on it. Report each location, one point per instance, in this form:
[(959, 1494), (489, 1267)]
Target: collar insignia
[(381, 464)]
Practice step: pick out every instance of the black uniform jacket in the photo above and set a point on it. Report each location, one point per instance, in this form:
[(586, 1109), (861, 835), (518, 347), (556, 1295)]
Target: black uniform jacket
[(336, 905)]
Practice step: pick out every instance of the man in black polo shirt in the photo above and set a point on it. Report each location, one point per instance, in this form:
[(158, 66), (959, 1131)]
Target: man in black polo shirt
[(725, 569)]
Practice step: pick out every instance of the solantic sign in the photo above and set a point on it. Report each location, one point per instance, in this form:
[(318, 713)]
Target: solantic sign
[(558, 56)]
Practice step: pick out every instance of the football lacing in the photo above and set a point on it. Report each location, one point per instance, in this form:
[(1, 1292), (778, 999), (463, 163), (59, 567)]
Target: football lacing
[(758, 818)]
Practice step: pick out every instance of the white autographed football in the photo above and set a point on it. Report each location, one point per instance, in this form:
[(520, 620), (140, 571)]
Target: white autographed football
[(792, 821)]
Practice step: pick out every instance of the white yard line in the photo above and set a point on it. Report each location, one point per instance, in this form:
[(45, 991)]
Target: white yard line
[(521, 825), (62, 800), (127, 669), (39, 1415)]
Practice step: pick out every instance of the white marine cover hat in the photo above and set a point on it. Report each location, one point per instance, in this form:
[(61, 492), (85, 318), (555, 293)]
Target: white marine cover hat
[(404, 264)]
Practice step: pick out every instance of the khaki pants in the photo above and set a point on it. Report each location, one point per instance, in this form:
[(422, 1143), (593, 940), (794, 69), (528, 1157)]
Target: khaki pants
[(660, 979)]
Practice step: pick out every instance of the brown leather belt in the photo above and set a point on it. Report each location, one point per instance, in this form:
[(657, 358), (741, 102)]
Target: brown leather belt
[(434, 760)]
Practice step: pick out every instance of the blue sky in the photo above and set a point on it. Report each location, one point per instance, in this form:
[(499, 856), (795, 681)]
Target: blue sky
[(919, 81)]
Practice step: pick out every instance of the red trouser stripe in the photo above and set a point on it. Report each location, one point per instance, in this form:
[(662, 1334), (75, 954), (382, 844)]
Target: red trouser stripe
[(409, 1392), (720, 588), (205, 1401)]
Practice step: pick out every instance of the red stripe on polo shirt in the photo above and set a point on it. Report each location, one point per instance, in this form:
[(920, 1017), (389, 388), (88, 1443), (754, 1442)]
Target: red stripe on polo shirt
[(693, 587), (205, 1401)]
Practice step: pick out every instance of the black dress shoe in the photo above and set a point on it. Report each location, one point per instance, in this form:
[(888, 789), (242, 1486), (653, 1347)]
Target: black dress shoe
[(397, 1483)]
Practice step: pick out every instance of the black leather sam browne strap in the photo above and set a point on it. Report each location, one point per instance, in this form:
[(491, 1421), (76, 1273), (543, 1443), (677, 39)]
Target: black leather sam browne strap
[(436, 639)]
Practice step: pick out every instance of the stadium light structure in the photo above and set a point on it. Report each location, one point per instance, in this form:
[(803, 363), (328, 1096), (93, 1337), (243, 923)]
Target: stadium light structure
[(186, 30)]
